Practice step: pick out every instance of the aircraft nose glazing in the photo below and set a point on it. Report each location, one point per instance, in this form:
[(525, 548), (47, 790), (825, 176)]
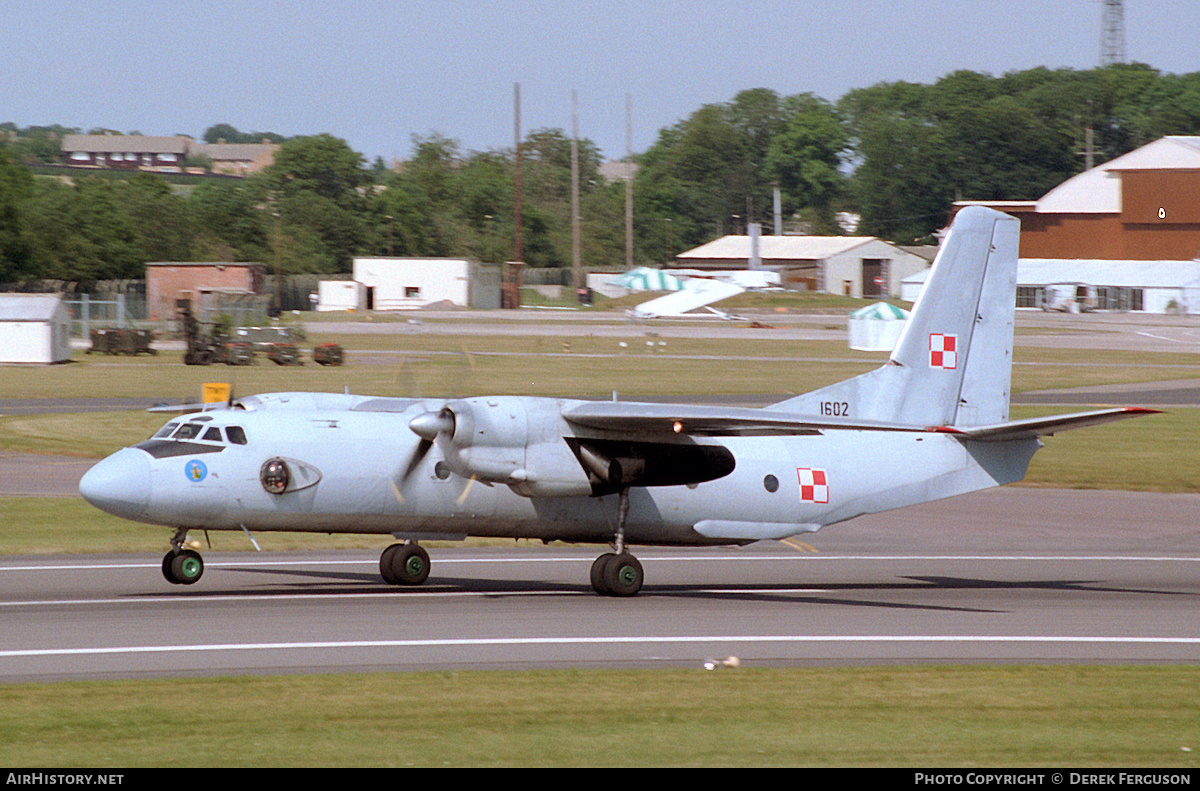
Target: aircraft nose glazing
[(120, 484)]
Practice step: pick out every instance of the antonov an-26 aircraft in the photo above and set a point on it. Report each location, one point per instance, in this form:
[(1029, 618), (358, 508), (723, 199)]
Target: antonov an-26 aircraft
[(931, 423)]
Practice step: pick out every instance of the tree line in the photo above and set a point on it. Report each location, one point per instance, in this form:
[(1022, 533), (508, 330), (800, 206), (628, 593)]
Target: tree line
[(895, 155)]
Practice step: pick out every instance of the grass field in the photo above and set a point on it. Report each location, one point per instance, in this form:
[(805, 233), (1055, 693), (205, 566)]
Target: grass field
[(1024, 716), (573, 364)]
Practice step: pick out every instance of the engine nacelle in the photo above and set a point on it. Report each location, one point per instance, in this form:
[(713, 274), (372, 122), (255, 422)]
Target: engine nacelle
[(517, 441)]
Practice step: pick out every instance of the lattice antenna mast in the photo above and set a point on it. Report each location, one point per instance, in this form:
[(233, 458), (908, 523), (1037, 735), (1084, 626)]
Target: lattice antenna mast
[(1112, 34)]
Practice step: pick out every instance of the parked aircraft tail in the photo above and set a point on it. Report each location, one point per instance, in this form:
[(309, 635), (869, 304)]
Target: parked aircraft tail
[(952, 365)]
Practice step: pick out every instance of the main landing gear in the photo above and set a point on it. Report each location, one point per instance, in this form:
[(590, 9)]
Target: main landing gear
[(404, 564), (618, 573), (182, 566)]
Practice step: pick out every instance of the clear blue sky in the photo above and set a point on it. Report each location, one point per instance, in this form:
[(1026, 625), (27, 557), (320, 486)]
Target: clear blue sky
[(376, 72)]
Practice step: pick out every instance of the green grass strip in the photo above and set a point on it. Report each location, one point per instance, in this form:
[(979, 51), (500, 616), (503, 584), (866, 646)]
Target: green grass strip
[(958, 716)]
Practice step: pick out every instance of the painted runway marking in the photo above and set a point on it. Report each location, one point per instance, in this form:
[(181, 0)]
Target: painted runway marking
[(611, 640)]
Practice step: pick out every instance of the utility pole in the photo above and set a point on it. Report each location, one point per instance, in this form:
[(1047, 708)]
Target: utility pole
[(576, 258), (517, 251), (628, 181)]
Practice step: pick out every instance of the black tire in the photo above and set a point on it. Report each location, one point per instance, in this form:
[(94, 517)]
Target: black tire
[(385, 564), (623, 575), (598, 567), (404, 564), (187, 567), (166, 568)]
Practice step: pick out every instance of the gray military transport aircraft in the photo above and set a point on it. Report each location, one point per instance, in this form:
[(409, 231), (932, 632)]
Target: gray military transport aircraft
[(931, 423)]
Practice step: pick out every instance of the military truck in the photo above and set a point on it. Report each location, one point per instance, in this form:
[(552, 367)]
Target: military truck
[(279, 344), (122, 341), (328, 354), (210, 343)]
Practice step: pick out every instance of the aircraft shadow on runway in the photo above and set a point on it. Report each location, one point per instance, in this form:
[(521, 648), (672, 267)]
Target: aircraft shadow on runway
[(1083, 586), (325, 582)]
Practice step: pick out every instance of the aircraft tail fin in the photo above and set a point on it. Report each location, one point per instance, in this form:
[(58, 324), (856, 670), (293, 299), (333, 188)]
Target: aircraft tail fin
[(953, 362)]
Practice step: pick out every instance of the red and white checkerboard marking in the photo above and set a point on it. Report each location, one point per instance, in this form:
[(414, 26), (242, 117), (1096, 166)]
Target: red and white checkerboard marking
[(943, 351), (814, 486)]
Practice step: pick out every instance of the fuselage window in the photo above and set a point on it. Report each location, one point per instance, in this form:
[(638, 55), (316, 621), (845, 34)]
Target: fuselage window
[(189, 431), (236, 435), (213, 434), (166, 430)]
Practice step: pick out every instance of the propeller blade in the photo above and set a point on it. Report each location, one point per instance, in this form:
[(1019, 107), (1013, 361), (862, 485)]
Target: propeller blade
[(418, 455)]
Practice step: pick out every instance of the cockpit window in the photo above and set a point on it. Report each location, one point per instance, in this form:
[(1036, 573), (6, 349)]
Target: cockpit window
[(166, 430), (189, 431), (236, 435), (213, 434)]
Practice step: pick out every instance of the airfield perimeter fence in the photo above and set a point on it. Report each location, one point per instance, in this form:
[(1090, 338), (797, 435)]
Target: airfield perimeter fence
[(121, 311), (122, 304)]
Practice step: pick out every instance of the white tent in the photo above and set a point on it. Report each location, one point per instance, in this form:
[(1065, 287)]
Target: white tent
[(643, 278), (876, 327)]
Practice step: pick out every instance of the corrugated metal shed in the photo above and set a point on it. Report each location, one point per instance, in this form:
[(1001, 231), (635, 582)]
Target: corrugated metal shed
[(34, 328), (29, 307), (856, 266)]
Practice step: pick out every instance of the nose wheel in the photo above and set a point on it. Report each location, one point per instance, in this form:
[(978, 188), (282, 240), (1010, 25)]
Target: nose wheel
[(182, 566)]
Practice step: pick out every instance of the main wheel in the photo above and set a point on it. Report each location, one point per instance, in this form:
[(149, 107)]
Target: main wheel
[(623, 575), (598, 567), (183, 567), (385, 564), (404, 564)]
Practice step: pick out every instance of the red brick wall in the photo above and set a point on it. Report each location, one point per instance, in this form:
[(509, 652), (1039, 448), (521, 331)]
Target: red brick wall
[(166, 283)]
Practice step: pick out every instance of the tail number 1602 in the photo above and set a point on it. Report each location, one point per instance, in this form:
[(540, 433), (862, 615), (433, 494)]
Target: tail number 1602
[(835, 408)]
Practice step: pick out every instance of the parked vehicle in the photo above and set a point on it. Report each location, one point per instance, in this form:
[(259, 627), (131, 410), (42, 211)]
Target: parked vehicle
[(122, 341)]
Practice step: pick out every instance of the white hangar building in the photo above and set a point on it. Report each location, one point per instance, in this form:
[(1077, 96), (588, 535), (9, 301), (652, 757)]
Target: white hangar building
[(409, 283), (1081, 285), (34, 328), (855, 266)]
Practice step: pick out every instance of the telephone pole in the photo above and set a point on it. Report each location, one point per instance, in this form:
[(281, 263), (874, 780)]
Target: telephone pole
[(576, 258)]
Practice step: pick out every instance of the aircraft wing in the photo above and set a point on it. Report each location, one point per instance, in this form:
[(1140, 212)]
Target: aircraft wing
[(701, 421), (695, 293), (1032, 428), (691, 420)]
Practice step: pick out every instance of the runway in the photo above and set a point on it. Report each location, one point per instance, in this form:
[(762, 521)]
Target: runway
[(1009, 575)]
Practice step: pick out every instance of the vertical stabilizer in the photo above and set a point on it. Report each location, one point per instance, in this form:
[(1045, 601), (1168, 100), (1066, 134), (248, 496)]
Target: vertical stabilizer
[(953, 362)]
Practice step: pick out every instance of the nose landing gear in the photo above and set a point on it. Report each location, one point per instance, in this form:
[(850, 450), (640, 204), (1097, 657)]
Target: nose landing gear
[(182, 566)]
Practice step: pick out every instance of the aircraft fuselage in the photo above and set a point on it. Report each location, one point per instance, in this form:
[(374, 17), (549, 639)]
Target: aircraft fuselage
[(350, 473)]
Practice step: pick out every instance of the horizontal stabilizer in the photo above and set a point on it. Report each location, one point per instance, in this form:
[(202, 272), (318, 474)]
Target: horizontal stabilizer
[(1032, 428), (207, 406)]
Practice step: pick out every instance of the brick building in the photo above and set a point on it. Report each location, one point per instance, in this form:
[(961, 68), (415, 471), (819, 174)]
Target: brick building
[(167, 281), (1144, 206), (165, 154)]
